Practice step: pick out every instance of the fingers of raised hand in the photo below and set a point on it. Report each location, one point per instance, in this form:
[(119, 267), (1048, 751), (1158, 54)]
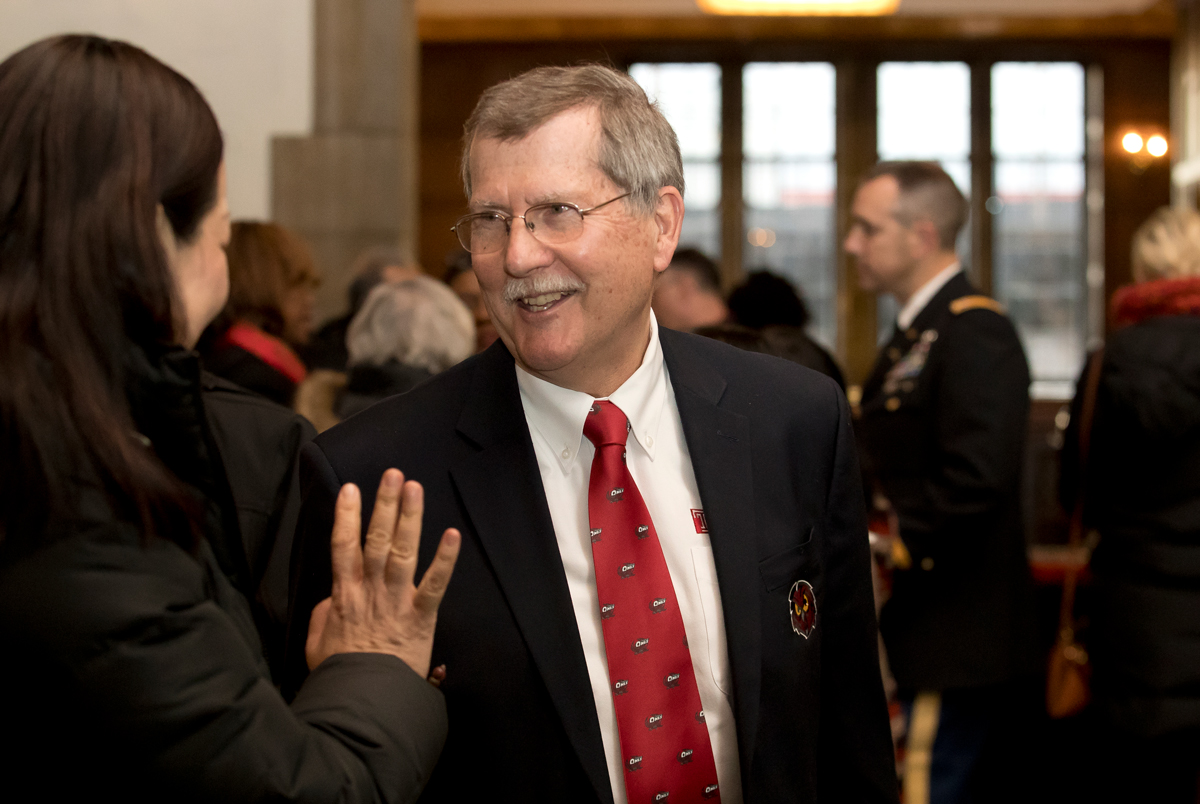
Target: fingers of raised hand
[(383, 524), (345, 555), (433, 585), (406, 539)]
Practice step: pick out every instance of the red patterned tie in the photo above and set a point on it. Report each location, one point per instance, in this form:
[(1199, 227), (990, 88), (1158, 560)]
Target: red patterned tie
[(664, 741)]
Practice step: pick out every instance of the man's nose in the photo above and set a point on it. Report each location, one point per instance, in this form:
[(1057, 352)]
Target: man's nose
[(853, 242), (524, 252)]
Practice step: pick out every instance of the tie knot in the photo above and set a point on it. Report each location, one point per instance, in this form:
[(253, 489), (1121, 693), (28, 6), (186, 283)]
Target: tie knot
[(606, 424)]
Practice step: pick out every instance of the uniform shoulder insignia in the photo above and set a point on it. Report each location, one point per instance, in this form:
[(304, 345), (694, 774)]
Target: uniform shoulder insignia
[(960, 306)]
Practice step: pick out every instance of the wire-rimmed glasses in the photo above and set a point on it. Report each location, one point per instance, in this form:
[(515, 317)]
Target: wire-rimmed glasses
[(552, 224)]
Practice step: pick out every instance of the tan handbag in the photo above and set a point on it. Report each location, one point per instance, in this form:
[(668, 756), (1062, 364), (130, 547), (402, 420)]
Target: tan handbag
[(1068, 678)]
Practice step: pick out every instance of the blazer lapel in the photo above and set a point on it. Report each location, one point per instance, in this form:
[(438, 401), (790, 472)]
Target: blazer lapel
[(719, 443), (501, 488)]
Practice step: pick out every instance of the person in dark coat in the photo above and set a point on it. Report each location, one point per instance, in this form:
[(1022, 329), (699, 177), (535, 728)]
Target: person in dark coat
[(942, 427), (326, 349), (272, 282), (790, 343), (769, 303), (404, 334), (1142, 492), (131, 569)]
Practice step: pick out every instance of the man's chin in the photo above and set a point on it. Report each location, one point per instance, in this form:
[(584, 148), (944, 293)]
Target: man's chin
[(540, 355), (868, 283)]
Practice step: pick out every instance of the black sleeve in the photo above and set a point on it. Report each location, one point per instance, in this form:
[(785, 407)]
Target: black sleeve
[(259, 445), (981, 412), (311, 574), (164, 673), (857, 763)]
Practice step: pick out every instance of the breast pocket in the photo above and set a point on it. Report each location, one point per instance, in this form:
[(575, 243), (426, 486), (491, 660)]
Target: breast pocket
[(710, 603), (783, 569)]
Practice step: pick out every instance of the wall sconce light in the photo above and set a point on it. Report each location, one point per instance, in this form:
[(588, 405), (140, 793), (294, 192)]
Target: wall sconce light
[(1143, 151), (813, 8)]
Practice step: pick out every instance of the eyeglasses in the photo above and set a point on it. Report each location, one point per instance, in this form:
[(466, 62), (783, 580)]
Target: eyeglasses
[(552, 224)]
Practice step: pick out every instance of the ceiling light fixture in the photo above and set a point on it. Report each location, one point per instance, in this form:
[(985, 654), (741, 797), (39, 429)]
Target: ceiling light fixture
[(816, 8)]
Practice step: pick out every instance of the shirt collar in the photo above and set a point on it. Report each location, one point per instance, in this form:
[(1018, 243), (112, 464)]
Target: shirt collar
[(925, 294), (558, 413)]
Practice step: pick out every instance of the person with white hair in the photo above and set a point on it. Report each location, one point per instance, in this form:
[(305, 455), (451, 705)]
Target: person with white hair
[(404, 334)]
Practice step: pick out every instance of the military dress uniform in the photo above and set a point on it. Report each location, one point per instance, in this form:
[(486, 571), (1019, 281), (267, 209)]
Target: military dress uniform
[(942, 428)]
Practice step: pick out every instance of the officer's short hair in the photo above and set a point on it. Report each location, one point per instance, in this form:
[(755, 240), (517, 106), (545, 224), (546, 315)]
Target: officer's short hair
[(699, 265), (639, 151), (926, 193), (1167, 245)]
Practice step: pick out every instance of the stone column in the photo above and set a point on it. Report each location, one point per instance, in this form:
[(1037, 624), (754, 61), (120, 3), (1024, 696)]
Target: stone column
[(353, 183), (1185, 105)]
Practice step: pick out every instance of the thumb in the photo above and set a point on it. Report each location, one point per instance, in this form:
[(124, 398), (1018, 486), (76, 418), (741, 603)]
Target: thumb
[(316, 630)]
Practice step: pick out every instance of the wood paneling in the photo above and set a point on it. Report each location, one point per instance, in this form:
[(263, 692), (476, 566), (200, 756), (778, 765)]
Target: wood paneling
[(1136, 95), (856, 153), (1158, 22)]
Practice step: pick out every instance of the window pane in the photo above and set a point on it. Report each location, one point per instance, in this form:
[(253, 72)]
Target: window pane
[(690, 98), (789, 178), (1042, 111), (1038, 234), (924, 112)]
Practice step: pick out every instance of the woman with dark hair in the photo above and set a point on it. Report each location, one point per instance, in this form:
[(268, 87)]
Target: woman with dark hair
[(133, 667), (272, 289)]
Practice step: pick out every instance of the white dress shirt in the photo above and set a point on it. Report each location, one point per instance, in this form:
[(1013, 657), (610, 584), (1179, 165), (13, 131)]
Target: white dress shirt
[(660, 464), (916, 303)]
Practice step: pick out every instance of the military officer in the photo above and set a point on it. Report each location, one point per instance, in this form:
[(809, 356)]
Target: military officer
[(941, 426)]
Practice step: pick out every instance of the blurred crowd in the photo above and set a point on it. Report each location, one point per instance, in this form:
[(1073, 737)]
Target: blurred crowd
[(156, 406)]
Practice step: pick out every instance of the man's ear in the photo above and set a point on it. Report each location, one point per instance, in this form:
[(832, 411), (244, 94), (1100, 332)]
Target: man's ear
[(668, 221), (925, 239)]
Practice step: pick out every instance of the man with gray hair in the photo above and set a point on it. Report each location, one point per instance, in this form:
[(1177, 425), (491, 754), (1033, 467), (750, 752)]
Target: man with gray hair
[(942, 429), (663, 593)]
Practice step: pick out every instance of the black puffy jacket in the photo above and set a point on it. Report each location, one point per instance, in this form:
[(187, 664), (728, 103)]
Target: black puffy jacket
[(133, 668), (1143, 496)]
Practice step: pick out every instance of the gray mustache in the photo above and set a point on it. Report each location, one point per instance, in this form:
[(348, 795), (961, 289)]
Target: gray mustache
[(537, 285)]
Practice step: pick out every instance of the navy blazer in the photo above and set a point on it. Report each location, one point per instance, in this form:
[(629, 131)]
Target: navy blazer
[(774, 458)]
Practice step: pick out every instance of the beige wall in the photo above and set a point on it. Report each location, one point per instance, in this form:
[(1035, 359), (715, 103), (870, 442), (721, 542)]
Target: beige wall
[(252, 59)]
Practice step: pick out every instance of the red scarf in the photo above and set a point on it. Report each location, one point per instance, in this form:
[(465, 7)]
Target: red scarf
[(267, 348), (1135, 303)]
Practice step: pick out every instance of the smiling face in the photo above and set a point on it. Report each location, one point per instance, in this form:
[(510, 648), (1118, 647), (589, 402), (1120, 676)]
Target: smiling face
[(881, 246), (575, 314)]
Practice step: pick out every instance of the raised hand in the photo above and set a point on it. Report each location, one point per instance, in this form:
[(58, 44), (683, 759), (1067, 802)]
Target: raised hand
[(374, 606)]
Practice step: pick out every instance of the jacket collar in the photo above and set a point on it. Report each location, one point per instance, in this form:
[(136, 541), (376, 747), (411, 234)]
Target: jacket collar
[(163, 386), (939, 306), (1136, 303)]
